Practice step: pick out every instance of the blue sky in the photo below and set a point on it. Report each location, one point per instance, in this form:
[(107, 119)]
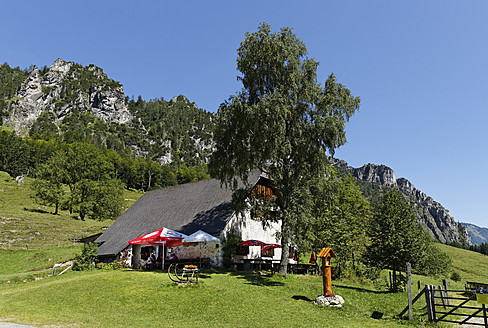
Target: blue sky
[(420, 68)]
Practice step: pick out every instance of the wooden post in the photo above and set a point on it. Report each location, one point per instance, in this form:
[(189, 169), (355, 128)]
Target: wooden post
[(54, 270), (446, 294), (484, 315), (324, 278), (391, 283), (326, 254), (409, 288), (428, 302), (434, 302), (418, 286)]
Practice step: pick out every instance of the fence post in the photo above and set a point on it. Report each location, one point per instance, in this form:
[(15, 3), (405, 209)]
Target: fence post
[(484, 315), (434, 294), (428, 302), (409, 288), (446, 293)]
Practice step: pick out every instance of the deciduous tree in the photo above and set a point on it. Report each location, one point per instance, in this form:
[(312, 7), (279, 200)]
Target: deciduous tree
[(281, 122), (396, 237)]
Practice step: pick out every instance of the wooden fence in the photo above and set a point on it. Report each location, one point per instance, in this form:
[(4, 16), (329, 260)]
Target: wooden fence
[(454, 306)]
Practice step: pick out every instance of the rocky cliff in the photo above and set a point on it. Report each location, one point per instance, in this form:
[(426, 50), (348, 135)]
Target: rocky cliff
[(436, 219), (64, 88), (81, 103)]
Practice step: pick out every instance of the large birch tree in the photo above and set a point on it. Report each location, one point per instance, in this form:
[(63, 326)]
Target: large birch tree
[(282, 122)]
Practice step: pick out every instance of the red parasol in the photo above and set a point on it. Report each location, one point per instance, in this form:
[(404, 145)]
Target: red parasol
[(270, 247), (252, 242), (312, 258), (163, 236)]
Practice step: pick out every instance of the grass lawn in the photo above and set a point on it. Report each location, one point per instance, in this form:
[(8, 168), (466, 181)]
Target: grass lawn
[(225, 299), (23, 222)]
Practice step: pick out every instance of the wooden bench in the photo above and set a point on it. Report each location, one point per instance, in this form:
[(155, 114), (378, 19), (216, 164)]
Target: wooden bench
[(303, 268)]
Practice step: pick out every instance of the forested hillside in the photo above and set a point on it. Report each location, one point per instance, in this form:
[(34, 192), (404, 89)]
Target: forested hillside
[(152, 144)]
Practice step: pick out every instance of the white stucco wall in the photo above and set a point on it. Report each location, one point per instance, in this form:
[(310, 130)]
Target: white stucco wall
[(247, 228)]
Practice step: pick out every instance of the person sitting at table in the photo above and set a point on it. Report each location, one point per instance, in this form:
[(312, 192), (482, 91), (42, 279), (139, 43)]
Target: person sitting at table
[(151, 260), (173, 256), (159, 262)]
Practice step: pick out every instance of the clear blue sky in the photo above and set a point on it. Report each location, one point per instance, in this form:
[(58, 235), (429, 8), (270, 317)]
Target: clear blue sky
[(420, 68)]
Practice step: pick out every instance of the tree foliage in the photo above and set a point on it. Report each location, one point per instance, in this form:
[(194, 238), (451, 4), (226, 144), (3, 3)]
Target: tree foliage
[(341, 213), (397, 238), (282, 122)]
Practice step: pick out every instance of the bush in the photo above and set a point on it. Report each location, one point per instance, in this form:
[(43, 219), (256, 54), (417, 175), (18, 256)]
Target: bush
[(456, 276), (115, 265), (434, 263), (88, 258), (230, 246)]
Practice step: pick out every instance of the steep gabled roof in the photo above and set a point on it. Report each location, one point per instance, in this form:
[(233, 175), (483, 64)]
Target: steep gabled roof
[(203, 205)]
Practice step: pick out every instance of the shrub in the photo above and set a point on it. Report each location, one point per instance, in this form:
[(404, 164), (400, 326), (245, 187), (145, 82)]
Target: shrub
[(88, 258), (115, 265), (456, 276), (230, 245)]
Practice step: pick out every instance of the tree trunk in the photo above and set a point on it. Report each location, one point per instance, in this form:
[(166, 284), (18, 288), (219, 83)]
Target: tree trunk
[(394, 287), (284, 248), (284, 258)]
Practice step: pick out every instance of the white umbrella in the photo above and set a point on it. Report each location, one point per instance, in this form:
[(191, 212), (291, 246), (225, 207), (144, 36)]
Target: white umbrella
[(200, 237)]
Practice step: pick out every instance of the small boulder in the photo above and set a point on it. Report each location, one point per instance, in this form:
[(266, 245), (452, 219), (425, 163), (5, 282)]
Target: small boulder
[(335, 301)]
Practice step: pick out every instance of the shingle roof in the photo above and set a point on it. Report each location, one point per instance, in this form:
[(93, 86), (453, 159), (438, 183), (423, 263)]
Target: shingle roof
[(203, 205)]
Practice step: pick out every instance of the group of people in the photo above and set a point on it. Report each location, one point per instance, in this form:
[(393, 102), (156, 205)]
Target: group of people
[(155, 262)]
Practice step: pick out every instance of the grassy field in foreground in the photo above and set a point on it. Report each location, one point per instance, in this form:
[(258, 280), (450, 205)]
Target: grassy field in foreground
[(23, 222), (225, 299)]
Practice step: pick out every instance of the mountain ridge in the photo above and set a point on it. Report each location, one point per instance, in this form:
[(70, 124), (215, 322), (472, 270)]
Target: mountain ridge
[(436, 219)]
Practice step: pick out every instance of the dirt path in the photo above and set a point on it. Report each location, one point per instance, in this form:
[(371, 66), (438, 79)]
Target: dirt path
[(13, 325)]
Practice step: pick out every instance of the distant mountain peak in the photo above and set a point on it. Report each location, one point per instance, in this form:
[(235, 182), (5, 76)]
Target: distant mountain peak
[(435, 218)]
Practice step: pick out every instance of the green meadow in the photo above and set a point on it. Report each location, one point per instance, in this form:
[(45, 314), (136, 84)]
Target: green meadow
[(23, 223), (127, 298)]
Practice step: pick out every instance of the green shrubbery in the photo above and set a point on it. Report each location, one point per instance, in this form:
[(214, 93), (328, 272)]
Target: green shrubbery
[(88, 258)]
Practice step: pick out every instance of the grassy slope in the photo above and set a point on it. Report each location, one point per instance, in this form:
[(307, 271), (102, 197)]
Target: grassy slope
[(22, 221), (471, 266)]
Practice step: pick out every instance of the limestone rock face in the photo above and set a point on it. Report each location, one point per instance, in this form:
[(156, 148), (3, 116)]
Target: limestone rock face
[(60, 90), (436, 219)]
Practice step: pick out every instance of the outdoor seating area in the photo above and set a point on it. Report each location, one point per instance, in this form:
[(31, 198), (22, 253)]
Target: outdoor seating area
[(161, 248)]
